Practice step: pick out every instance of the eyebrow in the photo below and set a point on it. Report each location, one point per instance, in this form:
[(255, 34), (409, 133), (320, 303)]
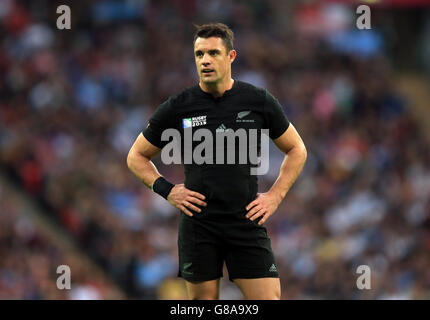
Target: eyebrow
[(210, 51)]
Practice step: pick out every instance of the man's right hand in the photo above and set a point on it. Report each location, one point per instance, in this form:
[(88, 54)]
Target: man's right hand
[(183, 199)]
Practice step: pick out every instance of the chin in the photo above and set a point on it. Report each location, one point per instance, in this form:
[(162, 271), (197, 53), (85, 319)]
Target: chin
[(209, 81)]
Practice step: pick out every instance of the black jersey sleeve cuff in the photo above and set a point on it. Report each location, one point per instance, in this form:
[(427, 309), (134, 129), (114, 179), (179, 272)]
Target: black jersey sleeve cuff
[(275, 134), (150, 135)]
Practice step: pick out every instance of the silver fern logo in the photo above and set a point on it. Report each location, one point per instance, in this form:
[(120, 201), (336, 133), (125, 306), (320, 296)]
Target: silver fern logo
[(242, 115)]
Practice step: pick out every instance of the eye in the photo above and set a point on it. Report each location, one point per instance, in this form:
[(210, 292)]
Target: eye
[(199, 54)]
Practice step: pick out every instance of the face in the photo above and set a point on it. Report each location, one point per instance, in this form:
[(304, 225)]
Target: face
[(213, 62)]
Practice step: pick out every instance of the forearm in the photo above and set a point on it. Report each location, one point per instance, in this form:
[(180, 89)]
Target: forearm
[(142, 168), (290, 170)]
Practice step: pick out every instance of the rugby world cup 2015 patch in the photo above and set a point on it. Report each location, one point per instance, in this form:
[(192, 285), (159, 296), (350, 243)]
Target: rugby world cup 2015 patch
[(193, 122)]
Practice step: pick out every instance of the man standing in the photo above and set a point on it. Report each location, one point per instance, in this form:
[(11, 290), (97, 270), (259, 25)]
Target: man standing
[(222, 215)]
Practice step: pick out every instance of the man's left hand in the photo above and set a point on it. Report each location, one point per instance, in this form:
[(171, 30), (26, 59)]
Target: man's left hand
[(264, 205)]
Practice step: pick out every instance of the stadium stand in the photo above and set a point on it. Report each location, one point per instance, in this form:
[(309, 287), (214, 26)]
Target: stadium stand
[(73, 101)]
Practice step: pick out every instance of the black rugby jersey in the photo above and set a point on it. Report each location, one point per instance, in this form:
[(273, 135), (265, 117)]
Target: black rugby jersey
[(228, 188)]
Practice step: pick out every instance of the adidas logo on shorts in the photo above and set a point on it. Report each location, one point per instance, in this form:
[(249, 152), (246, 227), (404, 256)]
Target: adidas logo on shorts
[(273, 268)]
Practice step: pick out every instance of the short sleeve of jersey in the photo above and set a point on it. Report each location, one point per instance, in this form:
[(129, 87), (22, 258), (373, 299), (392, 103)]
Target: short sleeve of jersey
[(160, 121), (277, 120)]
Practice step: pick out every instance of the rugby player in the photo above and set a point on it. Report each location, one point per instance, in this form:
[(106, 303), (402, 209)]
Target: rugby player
[(222, 214)]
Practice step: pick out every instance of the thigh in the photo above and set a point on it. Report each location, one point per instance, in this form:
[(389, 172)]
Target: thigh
[(249, 254), (203, 290), (260, 288), (200, 253)]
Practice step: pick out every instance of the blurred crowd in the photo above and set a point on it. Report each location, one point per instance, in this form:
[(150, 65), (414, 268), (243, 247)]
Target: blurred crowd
[(30, 255), (73, 101)]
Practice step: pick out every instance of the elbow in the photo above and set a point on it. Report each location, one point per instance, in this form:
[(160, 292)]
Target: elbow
[(130, 160), (135, 160), (299, 152), (305, 153), (302, 152)]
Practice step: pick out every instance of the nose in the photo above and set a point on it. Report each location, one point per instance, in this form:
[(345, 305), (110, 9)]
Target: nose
[(205, 60)]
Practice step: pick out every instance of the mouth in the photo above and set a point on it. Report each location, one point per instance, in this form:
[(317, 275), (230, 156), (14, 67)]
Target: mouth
[(207, 71)]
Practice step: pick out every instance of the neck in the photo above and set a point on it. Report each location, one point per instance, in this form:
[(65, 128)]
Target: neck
[(217, 89)]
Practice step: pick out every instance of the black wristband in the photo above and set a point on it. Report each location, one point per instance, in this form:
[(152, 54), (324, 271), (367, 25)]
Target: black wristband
[(162, 187)]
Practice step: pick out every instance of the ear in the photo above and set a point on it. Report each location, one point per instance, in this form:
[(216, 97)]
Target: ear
[(232, 55)]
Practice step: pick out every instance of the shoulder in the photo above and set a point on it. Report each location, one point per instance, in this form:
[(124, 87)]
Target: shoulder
[(250, 90), (263, 93), (186, 95), (245, 86)]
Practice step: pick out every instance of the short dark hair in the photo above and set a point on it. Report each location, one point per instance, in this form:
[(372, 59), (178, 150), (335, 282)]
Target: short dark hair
[(219, 30)]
